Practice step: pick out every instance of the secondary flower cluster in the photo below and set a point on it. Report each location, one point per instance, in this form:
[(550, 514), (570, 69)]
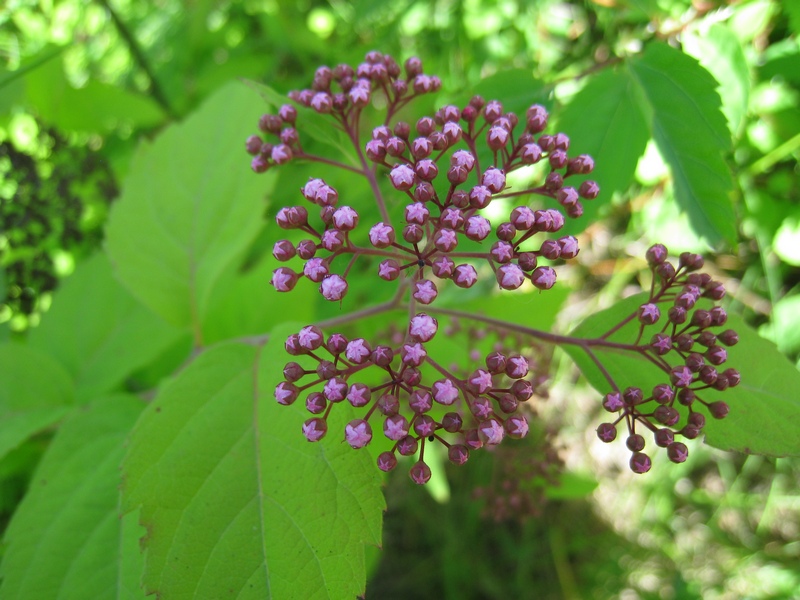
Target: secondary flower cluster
[(476, 410), (690, 347)]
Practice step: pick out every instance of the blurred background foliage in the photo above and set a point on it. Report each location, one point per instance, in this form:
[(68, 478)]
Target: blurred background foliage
[(82, 83)]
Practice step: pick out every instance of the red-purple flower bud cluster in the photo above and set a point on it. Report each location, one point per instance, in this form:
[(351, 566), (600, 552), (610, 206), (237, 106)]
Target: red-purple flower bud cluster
[(688, 341), (416, 400)]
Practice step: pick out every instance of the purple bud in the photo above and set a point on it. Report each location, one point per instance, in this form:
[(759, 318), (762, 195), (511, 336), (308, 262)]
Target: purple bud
[(635, 442), (664, 437), (543, 277), (424, 426), (607, 432), (494, 180), (718, 410), (589, 190), (315, 429), (465, 276), (458, 454), (422, 327), (517, 367), (510, 276), (648, 313), (612, 402), (358, 433), (677, 452), (402, 177), (389, 270), (445, 392), (407, 446), (316, 269), (420, 473), (386, 461), (286, 393), (333, 288), (491, 432), (316, 403), (284, 279), (663, 394), (516, 427), (640, 463), (656, 254), (381, 235)]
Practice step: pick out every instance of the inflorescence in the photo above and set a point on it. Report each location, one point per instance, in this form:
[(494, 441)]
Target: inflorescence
[(446, 239)]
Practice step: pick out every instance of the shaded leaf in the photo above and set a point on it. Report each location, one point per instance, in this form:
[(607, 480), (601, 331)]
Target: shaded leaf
[(764, 408), (35, 392), (692, 136), (98, 331), (189, 208), (64, 539), (235, 500)]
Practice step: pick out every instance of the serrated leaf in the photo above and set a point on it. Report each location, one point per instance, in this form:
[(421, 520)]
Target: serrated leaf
[(692, 135), (190, 206), (35, 392), (720, 52), (64, 539), (606, 119), (236, 502), (764, 408), (98, 331)]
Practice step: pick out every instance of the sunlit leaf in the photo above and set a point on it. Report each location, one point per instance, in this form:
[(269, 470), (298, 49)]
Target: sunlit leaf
[(720, 52), (607, 120), (35, 392), (235, 500), (189, 208), (64, 538), (692, 136), (764, 408), (98, 331)]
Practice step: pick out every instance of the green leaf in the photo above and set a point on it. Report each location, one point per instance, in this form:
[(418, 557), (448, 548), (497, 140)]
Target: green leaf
[(98, 331), (692, 136), (96, 107), (190, 206), (235, 500), (764, 408), (720, 52), (64, 540), (237, 306), (35, 392), (607, 120)]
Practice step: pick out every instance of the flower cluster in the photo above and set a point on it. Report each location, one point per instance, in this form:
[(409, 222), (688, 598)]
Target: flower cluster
[(442, 173), (471, 411), (690, 347)]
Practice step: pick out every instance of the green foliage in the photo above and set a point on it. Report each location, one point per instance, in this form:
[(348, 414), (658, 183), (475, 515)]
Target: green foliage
[(65, 538), (189, 209), (141, 450), (280, 517), (764, 407), (689, 129)]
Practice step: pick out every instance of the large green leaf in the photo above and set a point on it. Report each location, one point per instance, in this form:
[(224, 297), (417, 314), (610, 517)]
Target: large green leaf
[(692, 135), (98, 331), (236, 502), (64, 539), (189, 208), (35, 392), (764, 408), (607, 120)]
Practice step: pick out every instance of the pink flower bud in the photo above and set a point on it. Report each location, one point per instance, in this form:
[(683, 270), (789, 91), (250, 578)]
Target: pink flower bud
[(315, 429), (284, 279), (389, 270), (494, 180), (358, 433), (445, 392), (510, 276), (465, 276), (402, 177), (395, 427), (425, 291), (422, 327), (358, 351), (381, 235), (543, 277), (477, 228), (333, 288), (445, 240), (491, 432), (345, 218), (417, 213)]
